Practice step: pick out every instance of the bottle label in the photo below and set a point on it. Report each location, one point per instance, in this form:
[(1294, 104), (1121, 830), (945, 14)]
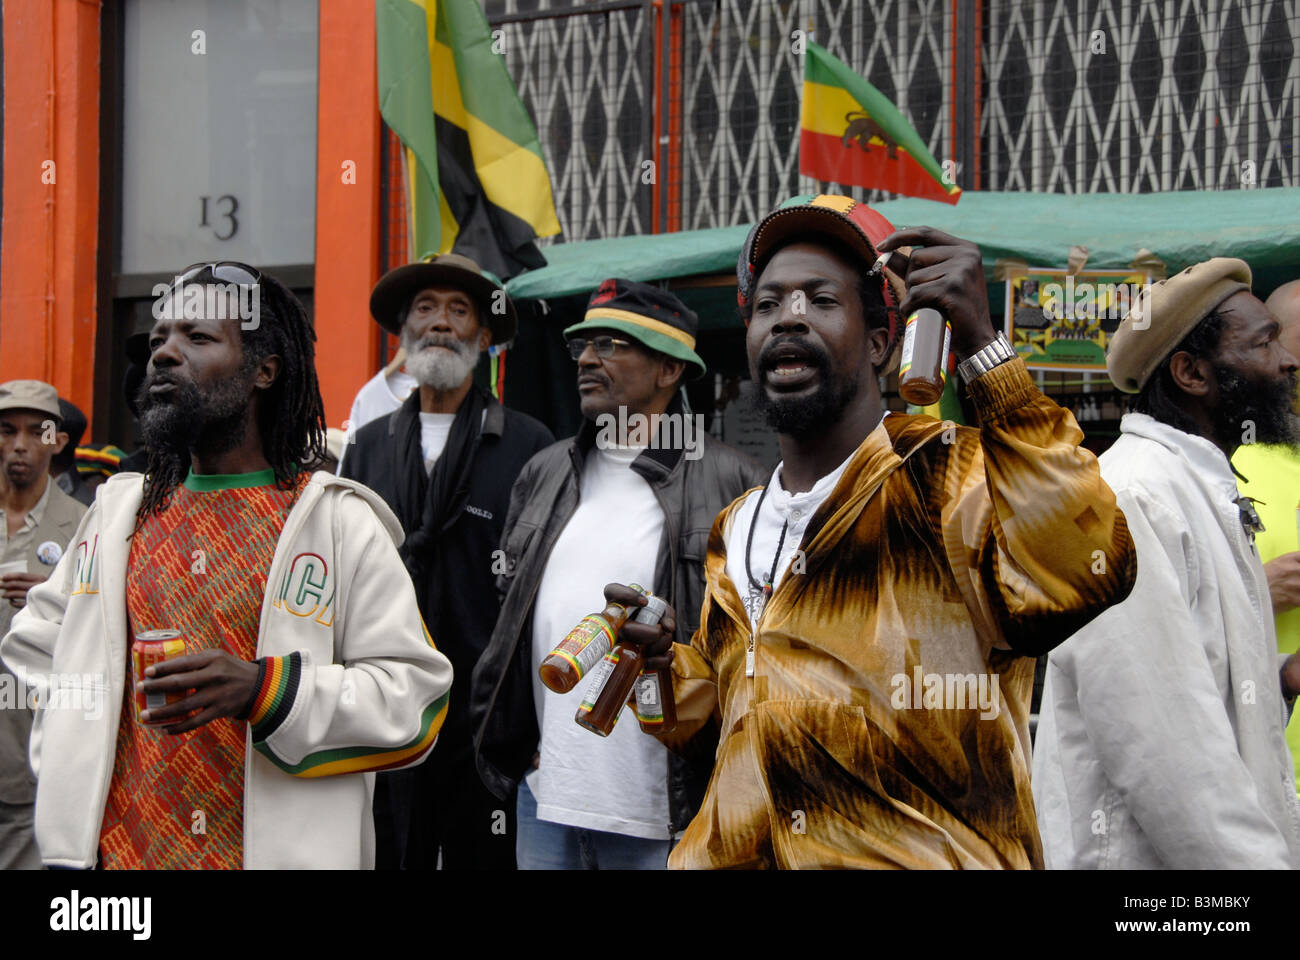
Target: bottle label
[(947, 342), (652, 612), (909, 349), (598, 678), (585, 644), (909, 346), (649, 702)]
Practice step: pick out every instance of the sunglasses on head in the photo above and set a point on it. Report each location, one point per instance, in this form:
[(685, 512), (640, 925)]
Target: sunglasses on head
[(227, 271)]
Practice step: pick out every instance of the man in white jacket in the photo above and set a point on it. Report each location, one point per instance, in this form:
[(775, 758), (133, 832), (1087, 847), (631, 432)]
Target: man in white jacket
[(1160, 740), (307, 666)]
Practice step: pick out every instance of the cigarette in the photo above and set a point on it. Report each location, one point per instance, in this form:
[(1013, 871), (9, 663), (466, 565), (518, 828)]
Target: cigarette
[(893, 261)]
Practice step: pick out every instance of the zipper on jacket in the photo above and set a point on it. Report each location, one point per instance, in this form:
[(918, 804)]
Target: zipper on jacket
[(672, 544), (751, 647), (671, 530), (293, 522)]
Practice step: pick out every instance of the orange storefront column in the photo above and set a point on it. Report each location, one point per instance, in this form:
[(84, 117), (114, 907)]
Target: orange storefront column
[(347, 203), (51, 194)]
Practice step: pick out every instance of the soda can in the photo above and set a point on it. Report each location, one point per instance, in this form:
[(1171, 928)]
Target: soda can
[(150, 647)]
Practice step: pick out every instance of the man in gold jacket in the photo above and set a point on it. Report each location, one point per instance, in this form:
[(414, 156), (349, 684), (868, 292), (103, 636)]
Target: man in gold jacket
[(866, 647)]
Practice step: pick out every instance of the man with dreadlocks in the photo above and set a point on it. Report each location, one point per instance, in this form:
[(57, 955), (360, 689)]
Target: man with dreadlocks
[(306, 666)]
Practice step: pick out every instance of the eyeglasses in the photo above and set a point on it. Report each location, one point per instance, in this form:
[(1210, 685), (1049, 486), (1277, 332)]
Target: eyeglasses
[(604, 346), (227, 271)]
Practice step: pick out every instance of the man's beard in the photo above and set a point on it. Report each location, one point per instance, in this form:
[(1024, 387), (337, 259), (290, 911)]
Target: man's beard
[(1266, 403), (188, 420), (440, 370), (804, 415)]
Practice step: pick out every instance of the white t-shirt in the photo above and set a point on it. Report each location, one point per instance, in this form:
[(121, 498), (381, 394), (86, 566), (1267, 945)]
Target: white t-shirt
[(379, 397), (617, 784), (779, 506), (435, 428)]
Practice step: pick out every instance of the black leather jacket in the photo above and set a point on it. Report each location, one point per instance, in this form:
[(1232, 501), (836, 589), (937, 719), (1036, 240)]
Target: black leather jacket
[(692, 493)]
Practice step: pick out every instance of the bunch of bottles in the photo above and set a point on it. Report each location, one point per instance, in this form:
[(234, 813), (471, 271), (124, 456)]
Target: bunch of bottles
[(618, 670)]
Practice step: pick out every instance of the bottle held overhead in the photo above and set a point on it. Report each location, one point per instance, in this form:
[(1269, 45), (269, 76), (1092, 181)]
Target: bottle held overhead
[(923, 366)]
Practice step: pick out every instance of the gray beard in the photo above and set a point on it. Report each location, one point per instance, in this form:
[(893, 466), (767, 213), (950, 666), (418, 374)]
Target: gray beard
[(440, 370)]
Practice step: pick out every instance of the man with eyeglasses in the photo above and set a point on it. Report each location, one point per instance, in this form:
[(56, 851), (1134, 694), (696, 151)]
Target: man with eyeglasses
[(631, 498), (305, 666), (444, 461)]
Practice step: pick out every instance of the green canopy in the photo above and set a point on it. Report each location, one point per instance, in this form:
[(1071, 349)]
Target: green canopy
[(1261, 226), (579, 267)]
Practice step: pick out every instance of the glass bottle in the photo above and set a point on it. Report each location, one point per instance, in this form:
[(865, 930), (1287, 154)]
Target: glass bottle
[(656, 710), (607, 692), (924, 365), (583, 647), (612, 682)]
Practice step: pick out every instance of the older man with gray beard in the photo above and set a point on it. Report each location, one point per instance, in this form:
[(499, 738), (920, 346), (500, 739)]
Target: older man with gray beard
[(445, 462)]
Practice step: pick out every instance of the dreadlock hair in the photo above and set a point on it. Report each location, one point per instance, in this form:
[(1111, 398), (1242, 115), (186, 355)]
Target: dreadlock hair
[(875, 312), (291, 415), (1161, 398)]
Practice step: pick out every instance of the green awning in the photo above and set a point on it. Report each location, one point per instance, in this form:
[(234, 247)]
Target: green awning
[(1261, 226), (579, 267)]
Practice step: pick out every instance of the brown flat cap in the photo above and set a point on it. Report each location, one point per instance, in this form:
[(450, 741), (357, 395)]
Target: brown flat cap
[(1164, 313), (30, 395)]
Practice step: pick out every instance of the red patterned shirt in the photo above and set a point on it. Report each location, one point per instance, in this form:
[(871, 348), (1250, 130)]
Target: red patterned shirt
[(200, 567)]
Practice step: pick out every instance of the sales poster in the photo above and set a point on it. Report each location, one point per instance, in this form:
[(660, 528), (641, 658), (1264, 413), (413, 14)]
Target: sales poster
[(1056, 320)]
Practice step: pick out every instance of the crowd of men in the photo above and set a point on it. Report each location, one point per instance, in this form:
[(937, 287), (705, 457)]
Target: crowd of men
[(851, 637)]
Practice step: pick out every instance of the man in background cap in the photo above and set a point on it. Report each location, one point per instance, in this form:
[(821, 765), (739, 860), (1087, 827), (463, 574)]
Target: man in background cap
[(63, 465), (1160, 741), (37, 520), (873, 614), (306, 665), (631, 498), (444, 461), (96, 462)]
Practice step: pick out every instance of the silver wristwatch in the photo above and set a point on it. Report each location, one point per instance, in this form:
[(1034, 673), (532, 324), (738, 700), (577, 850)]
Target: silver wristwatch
[(986, 358)]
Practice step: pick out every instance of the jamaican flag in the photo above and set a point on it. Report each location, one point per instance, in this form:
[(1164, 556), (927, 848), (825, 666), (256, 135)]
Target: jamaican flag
[(851, 134), (476, 183)]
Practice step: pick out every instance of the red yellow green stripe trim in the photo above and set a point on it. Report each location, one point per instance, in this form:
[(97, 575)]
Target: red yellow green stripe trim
[(343, 760), (275, 696), (649, 323)]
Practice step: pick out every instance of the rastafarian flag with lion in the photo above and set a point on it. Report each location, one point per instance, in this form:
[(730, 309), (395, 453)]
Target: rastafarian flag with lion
[(851, 134)]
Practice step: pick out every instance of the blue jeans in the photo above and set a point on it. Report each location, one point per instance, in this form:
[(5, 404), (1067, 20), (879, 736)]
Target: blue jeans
[(542, 845)]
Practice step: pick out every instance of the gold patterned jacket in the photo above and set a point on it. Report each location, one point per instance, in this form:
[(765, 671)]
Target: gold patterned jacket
[(887, 720)]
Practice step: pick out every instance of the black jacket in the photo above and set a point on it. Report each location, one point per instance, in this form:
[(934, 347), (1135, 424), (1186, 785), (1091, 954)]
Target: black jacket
[(508, 440), (692, 493)]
